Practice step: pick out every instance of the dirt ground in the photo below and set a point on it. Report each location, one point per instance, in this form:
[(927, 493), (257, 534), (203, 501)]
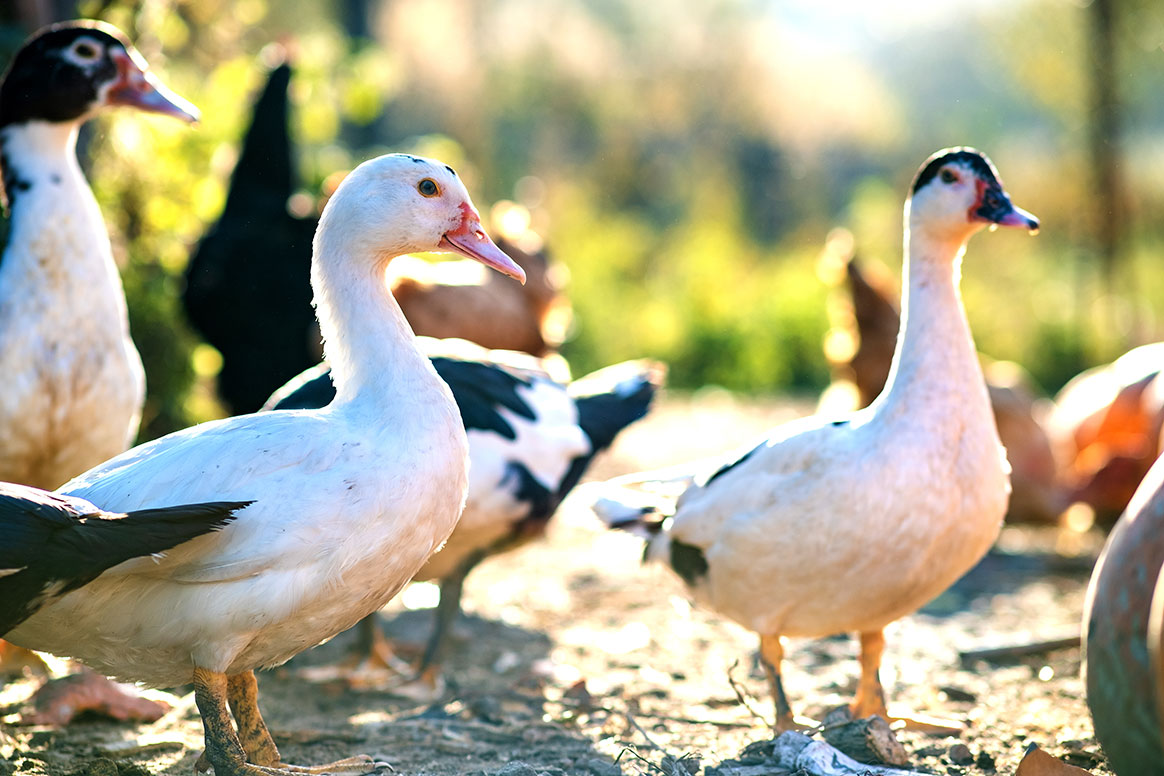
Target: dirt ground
[(575, 659)]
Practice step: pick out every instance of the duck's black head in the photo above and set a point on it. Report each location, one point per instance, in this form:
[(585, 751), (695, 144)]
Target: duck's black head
[(67, 71)]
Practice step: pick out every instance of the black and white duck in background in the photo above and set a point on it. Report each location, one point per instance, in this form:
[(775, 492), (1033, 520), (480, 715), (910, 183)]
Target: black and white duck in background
[(349, 501), (849, 524), (531, 438), (74, 383)]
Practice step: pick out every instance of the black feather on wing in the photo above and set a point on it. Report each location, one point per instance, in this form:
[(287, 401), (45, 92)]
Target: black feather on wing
[(50, 545), (603, 413), (608, 401), (480, 389), (309, 390)]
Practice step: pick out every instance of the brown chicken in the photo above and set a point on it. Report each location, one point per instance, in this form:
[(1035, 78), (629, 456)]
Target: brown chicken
[(455, 299), (860, 350)]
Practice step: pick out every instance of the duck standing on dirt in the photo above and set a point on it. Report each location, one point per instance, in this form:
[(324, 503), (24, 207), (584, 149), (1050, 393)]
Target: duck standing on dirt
[(74, 383), (851, 523), (531, 438), (348, 501)]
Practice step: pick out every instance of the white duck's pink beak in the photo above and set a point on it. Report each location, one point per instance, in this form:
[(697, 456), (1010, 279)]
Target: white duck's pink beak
[(137, 87), (469, 239)]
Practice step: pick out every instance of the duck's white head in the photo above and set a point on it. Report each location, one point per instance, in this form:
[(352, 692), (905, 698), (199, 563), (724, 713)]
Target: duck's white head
[(957, 192), (66, 72), (398, 203)]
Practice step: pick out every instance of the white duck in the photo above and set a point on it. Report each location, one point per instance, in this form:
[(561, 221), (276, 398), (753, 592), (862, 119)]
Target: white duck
[(850, 524), (349, 500), (74, 384)]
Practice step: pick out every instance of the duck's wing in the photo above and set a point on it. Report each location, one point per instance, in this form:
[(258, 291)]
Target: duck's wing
[(693, 499), (244, 458), (51, 544), (482, 389), (217, 459)]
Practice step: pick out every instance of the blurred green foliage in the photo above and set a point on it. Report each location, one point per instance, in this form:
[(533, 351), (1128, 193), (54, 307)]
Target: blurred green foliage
[(684, 159)]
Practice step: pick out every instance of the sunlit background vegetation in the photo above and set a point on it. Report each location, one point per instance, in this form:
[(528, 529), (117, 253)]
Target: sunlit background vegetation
[(685, 159)]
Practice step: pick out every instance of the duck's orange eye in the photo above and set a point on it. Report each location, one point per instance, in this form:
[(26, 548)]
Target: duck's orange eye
[(948, 177), (428, 188), (86, 51)]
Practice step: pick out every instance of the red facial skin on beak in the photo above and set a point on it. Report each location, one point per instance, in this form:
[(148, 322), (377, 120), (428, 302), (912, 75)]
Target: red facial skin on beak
[(137, 88), (1001, 211), (469, 239), (980, 186)]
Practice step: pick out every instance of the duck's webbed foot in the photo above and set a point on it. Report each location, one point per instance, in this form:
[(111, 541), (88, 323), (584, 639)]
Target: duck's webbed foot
[(251, 751), (870, 698), (59, 701)]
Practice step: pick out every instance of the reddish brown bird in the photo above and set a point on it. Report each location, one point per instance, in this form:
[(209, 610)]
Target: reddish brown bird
[(1107, 424)]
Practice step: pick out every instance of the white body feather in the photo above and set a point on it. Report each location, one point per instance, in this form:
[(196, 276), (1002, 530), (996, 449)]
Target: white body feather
[(75, 383), (349, 500), (849, 525)]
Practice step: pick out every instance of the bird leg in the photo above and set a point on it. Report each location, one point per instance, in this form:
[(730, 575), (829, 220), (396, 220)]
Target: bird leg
[(772, 655), (374, 650), (447, 611), (242, 693), (225, 751), (870, 698)]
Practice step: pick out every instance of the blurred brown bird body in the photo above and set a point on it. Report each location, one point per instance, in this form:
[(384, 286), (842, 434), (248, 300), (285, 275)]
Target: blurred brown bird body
[(1107, 423), (456, 299)]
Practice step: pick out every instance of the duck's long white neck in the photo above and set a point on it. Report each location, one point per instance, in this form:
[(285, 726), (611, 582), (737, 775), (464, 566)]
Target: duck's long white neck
[(935, 361), (368, 342), (54, 214)]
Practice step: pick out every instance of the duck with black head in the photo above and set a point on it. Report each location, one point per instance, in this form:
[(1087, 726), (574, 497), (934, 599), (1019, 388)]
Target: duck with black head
[(850, 523), (73, 381)]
